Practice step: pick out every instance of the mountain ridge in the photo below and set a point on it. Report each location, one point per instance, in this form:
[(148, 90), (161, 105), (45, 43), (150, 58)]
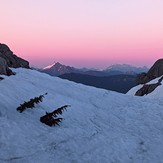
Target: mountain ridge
[(57, 69), (119, 83), (126, 68)]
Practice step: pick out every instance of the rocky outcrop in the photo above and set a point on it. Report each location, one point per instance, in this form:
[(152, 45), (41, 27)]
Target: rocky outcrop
[(4, 70), (155, 71), (148, 88), (11, 59), (8, 59), (142, 78)]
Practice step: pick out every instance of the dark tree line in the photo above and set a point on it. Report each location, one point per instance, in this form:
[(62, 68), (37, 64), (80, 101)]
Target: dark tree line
[(31, 103), (51, 119)]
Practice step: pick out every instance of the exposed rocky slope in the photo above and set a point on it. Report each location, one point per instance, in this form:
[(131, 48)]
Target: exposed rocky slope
[(154, 72), (9, 59), (145, 80), (4, 67)]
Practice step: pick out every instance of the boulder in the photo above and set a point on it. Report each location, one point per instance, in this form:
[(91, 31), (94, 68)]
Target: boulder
[(11, 59)]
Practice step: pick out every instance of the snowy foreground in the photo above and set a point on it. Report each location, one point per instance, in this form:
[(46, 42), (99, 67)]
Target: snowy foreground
[(100, 127)]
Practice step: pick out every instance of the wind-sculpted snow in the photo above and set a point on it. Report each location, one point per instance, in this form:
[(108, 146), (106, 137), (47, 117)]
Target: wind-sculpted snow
[(100, 127)]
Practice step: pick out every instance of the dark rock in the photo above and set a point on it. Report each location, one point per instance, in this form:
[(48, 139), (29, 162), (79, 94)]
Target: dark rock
[(4, 70), (154, 72), (11, 59), (148, 88), (142, 78)]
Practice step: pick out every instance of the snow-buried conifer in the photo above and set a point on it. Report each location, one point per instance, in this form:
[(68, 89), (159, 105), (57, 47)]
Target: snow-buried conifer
[(51, 119), (31, 103)]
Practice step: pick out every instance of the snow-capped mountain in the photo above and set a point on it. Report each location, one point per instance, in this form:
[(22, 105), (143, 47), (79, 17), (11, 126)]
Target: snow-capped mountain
[(57, 69), (126, 68), (100, 126), (110, 80)]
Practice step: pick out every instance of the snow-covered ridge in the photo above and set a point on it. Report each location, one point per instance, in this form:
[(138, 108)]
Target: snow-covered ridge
[(101, 126)]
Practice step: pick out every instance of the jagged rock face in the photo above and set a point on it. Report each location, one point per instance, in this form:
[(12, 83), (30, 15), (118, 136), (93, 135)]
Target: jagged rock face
[(4, 68), (11, 59), (155, 71), (142, 78)]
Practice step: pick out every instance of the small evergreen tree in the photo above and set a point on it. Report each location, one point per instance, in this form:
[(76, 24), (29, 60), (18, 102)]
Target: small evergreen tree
[(51, 119), (31, 103)]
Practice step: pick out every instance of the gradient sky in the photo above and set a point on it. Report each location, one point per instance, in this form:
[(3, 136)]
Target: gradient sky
[(91, 33)]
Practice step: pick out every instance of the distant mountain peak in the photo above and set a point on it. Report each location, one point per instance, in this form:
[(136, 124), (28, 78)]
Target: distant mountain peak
[(126, 68), (58, 69)]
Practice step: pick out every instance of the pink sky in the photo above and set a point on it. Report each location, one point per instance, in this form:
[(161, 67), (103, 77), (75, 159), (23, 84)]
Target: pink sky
[(90, 33)]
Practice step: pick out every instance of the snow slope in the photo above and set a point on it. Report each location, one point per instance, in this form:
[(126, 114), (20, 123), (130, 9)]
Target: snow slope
[(100, 127), (157, 93)]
